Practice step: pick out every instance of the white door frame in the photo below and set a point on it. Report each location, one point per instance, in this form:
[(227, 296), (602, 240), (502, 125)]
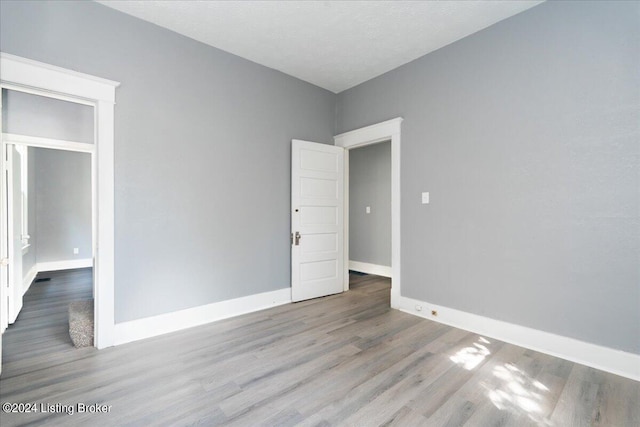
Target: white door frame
[(42, 79), (380, 132)]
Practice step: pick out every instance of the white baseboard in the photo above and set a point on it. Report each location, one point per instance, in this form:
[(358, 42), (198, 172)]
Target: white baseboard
[(65, 265), (604, 358), (29, 278), (365, 267), (170, 322)]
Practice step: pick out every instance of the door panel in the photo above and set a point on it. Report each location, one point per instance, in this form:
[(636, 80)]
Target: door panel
[(315, 243), (15, 233), (4, 243), (320, 188), (317, 217)]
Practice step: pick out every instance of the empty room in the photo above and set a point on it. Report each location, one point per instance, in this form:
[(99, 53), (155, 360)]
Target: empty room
[(321, 213)]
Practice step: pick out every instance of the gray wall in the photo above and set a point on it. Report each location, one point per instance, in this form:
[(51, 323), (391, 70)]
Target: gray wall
[(63, 205), (527, 136), (370, 185), (33, 115), (202, 152)]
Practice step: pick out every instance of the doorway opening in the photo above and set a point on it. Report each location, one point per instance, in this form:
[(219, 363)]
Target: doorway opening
[(370, 210), (381, 132), (49, 148), (32, 77)]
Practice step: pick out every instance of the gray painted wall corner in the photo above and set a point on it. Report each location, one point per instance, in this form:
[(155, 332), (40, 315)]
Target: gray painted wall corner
[(202, 152), (527, 136)]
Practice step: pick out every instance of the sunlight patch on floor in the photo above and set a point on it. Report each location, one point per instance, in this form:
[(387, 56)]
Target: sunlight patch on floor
[(518, 393), (472, 356)]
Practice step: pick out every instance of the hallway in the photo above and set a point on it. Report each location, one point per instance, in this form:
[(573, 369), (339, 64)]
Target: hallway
[(42, 327)]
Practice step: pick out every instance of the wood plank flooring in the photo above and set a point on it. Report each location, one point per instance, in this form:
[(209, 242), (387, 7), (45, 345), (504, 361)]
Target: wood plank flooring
[(343, 360), (42, 326)]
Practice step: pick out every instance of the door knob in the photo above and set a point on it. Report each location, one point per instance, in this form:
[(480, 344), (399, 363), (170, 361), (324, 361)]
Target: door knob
[(298, 237)]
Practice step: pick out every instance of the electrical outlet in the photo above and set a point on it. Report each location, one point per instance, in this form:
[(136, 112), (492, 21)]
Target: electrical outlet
[(76, 251), (425, 198), (434, 312), (368, 209)]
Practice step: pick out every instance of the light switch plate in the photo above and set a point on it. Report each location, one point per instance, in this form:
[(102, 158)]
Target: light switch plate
[(368, 209), (425, 198)]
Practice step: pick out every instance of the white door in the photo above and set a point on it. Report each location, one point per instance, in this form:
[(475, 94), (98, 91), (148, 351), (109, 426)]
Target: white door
[(4, 244), (317, 220), (14, 232)]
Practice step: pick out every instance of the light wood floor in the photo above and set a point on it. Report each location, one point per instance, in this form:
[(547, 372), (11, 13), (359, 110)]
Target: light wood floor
[(42, 327), (344, 360)]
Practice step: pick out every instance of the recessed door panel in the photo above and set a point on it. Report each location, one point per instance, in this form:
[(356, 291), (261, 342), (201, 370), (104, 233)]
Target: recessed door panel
[(316, 159), (320, 243), (310, 271), (314, 187), (318, 215)]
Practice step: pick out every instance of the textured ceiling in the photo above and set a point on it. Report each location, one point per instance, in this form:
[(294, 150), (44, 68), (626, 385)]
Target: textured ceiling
[(332, 44)]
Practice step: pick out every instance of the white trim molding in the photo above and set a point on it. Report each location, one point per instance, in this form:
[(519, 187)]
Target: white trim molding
[(29, 278), (365, 267), (55, 144), (604, 358), (26, 75), (69, 264), (368, 135), (380, 132), (38, 75), (148, 327)]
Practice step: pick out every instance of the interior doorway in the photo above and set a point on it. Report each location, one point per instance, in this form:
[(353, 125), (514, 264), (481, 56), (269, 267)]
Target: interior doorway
[(384, 131), (370, 209), (28, 76), (50, 207)]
